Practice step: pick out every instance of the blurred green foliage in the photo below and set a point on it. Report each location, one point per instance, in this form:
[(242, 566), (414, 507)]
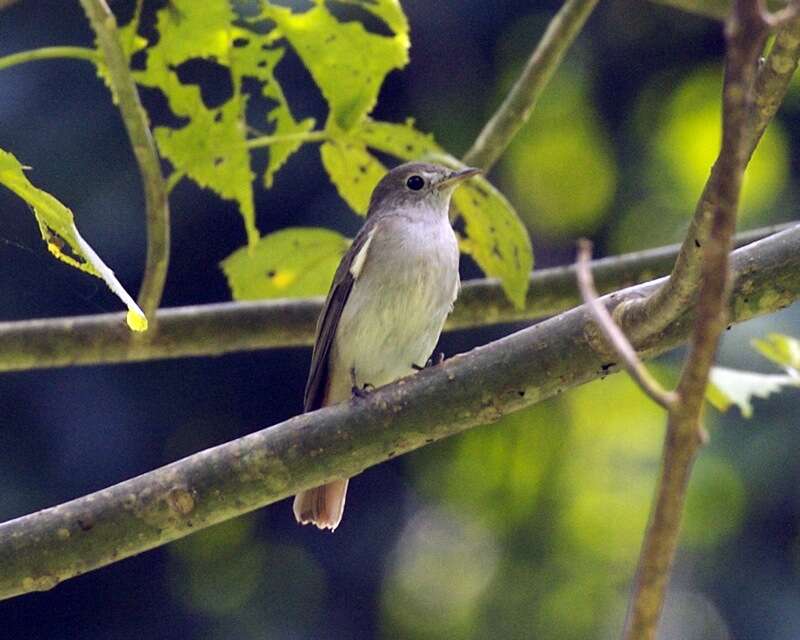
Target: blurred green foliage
[(560, 167), (550, 504), (677, 128)]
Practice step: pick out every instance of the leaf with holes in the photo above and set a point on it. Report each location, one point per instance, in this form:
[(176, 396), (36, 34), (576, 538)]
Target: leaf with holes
[(290, 263), (353, 170), (729, 387), (211, 146), (58, 229), (254, 56), (347, 62)]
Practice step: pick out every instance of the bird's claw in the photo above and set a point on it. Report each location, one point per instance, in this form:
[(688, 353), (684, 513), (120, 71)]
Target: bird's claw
[(436, 358), (363, 391)]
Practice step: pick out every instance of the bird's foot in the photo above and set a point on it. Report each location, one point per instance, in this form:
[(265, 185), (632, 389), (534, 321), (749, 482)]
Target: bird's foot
[(362, 391), (436, 358)]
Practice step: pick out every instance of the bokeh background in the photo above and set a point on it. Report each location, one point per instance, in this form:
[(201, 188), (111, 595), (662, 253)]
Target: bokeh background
[(526, 529)]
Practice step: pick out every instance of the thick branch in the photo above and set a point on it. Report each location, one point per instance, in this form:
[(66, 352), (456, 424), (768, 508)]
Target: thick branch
[(513, 113), (746, 33), (642, 320), (42, 549), (216, 329), (135, 119)]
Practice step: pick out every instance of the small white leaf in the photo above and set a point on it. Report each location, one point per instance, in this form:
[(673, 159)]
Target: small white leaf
[(731, 386)]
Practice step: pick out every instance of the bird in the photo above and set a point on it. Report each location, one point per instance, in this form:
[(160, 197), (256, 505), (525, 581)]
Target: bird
[(387, 304)]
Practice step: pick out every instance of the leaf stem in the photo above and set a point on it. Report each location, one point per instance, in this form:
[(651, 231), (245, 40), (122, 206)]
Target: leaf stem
[(305, 136), (520, 101), (49, 53), (136, 124)]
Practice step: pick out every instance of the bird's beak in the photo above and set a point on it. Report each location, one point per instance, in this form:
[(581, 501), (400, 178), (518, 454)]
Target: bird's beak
[(457, 176)]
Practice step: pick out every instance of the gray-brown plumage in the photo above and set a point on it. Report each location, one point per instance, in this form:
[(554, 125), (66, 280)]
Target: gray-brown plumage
[(387, 305)]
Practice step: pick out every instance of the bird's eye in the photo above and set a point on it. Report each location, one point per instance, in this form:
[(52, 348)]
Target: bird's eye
[(415, 183)]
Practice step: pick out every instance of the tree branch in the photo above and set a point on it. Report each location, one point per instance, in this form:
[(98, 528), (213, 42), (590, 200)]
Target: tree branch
[(216, 329), (156, 204), (515, 110), (613, 334), (44, 548), (746, 32), (642, 320)]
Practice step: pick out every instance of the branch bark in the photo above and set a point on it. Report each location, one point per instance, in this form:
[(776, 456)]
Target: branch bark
[(217, 329), (39, 550), (613, 335), (642, 320), (144, 149), (746, 32)]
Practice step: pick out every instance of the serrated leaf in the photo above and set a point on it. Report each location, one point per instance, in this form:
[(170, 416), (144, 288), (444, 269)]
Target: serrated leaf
[(347, 62), (495, 237), (210, 147), (254, 57), (354, 171), (389, 11), (733, 387), (782, 350), (290, 263), (59, 232)]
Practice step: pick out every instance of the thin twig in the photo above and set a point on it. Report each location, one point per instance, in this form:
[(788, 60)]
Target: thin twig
[(42, 549), (216, 329), (136, 124), (613, 334), (49, 53), (746, 32), (642, 320), (515, 110)]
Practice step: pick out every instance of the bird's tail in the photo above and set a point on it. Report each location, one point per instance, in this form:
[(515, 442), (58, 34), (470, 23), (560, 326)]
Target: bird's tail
[(321, 506)]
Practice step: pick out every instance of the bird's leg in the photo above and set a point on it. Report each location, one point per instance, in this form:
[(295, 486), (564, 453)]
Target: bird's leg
[(436, 359), (363, 390)]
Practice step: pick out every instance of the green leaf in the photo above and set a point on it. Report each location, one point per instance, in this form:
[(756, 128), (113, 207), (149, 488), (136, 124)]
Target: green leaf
[(400, 140), (781, 349), (58, 229), (210, 147), (389, 11), (290, 263), (730, 386), (347, 62), (495, 237), (353, 170), (253, 56)]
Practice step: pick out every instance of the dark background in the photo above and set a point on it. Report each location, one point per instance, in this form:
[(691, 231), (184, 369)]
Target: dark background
[(529, 528)]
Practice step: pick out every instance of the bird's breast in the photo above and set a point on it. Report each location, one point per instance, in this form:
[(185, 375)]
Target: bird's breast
[(398, 303)]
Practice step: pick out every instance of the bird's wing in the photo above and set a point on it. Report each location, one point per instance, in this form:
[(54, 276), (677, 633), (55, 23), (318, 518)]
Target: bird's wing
[(346, 274)]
